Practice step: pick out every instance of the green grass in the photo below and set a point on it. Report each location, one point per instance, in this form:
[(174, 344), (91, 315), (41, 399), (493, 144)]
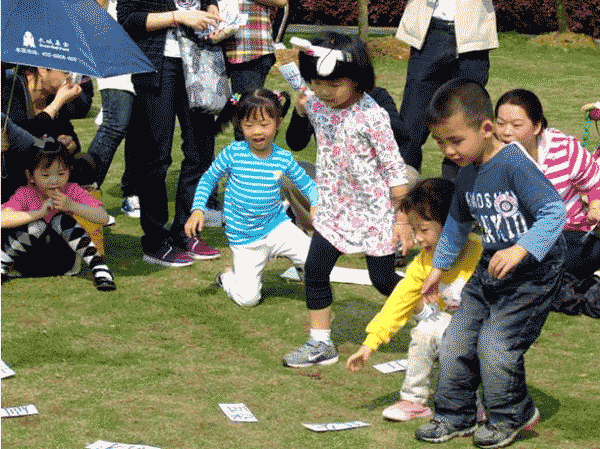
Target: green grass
[(149, 363)]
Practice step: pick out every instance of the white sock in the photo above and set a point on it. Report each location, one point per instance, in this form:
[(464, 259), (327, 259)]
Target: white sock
[(425, 313), (323, 335)]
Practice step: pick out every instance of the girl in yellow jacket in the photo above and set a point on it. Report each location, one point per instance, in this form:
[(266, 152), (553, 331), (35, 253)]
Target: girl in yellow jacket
[(426, 207)]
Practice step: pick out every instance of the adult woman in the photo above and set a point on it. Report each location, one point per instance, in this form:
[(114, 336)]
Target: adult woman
[(160, 97)]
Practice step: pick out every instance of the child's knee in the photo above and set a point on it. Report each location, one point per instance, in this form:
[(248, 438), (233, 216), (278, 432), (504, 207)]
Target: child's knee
[(244, 292)]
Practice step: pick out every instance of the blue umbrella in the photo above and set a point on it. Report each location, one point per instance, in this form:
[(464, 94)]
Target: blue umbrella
[(70, 35)]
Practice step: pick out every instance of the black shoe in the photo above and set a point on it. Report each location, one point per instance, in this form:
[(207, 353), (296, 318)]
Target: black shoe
[(105, 284), (436, 431), (490, 436)]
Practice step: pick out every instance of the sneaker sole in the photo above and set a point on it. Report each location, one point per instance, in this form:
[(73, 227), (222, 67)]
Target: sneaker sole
[(527, 426), (448, 437), (409, 417), (131, 214), (162, 263), (330, 361), (198, 257)]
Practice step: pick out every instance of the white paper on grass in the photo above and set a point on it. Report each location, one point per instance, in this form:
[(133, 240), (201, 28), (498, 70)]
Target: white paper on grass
[(101, 444), (331, 427), (5, 371), (339, 274), (291, 73), (392, 366), (238, 412), (23, 410)]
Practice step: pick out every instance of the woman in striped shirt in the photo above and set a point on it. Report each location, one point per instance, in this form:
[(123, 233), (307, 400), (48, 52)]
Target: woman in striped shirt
[(575, 173)]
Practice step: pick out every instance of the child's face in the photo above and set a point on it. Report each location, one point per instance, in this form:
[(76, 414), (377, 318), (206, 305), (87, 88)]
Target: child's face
[(460, 142), (51, 178), (513, 123), (337, 94), (427, 233), (259, 131)]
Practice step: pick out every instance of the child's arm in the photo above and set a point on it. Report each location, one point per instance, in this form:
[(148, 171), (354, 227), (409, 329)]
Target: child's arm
[(11, 218), (91, 212), (394, 314)]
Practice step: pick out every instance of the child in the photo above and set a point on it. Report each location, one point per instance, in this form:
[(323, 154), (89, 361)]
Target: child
[(507, 300), (361, 178), (50, 199), (575, 174), (426, 207), (256, 223)]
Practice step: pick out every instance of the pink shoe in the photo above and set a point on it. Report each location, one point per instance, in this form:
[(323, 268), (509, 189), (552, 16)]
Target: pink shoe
[(405, 411), (197, 248)]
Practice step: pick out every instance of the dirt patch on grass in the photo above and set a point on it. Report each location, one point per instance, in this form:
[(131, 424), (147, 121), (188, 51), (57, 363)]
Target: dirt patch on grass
[(566, 41)]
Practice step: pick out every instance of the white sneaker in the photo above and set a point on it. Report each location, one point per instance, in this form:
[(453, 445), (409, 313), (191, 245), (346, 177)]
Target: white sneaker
[(213, 218), (131, 206)]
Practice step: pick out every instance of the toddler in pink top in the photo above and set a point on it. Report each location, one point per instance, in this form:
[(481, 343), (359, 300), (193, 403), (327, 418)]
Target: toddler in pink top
[(46, 207)]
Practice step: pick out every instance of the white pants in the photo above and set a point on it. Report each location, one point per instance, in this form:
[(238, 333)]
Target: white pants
[(423, 351), (243, 284)]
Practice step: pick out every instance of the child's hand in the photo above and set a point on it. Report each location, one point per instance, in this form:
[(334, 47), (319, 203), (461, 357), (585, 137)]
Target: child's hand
[(505, 260), (430, 290), (46, 207), (403, 234), (357, 360), (194, 224), (60, 201), (313, 213), (594, 211), (301, 102)]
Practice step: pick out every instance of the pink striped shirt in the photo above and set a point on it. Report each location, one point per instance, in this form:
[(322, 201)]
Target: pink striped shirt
[(573, 172)]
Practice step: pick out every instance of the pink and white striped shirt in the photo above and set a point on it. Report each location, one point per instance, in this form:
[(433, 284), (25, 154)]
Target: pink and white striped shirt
[(573, 172)]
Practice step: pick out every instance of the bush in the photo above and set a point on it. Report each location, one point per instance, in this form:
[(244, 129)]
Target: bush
[(524, 16)]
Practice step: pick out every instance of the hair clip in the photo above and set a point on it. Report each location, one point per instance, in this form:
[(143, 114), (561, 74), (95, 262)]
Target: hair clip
[(278, 94), (327, 57), (235, 99)]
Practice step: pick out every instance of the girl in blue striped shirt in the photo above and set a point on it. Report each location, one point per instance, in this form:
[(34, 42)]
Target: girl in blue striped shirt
[(256, 222)]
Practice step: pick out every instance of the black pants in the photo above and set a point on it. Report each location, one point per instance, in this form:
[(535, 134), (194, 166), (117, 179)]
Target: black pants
[(321, 258), (429, 68)]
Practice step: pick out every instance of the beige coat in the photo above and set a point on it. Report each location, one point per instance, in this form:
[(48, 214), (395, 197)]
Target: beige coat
[(475, 24)]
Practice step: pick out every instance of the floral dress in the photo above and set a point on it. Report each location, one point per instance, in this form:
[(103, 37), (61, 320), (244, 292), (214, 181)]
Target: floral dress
[(358, 161)]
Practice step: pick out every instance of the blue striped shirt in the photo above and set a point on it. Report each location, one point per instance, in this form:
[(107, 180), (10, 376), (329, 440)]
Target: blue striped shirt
[(253, 206)]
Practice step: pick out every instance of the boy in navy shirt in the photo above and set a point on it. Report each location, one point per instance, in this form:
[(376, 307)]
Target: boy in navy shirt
[(508, 298)]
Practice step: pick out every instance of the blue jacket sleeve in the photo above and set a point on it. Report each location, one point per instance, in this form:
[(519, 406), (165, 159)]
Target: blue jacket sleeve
[(307, 186), (549, 222), (209, 179)]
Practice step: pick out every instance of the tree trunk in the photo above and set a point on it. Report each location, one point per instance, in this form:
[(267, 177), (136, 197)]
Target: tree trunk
[(363, 20), (561, 11)]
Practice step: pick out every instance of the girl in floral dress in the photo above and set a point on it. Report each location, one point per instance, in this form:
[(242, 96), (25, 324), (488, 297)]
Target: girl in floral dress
[(361, 178)]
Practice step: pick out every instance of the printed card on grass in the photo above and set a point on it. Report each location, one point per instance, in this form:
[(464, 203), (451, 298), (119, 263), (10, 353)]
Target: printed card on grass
[(238, 412), (334, 426), (101, 444), (392, 366), (14, 412), (5, 371)]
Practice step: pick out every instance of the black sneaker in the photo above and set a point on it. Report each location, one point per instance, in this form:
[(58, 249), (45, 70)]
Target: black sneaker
[(490, 436), (436, 431)]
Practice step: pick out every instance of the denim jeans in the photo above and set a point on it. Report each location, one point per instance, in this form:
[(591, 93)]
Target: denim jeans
[(151, 135), (583, 258), (495, 324), (429, 68), (116, 111)]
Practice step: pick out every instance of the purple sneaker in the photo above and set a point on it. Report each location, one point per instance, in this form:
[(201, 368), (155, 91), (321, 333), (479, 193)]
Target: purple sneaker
[(169, 256), (197, 248)]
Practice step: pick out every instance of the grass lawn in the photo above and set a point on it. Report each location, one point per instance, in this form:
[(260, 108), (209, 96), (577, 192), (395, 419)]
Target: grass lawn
[(149, 363)]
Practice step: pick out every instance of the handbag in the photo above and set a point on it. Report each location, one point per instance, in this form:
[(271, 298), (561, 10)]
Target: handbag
[(206, 82)]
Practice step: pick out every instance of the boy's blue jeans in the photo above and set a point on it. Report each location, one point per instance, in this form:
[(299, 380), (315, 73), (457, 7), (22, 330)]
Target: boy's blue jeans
[(495, 324)]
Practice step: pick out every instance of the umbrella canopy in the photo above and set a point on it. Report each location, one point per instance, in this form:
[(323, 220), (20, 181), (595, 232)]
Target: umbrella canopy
[(70, 35)]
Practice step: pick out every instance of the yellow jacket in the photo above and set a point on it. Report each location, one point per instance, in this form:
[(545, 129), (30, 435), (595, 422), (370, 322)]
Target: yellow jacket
[(407, 294), (474, 23)]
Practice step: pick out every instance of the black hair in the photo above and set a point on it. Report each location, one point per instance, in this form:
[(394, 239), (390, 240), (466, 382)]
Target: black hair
[(430, 199), (274, 103), (460, 95), (45, 151), (528, 101), (356, 65)]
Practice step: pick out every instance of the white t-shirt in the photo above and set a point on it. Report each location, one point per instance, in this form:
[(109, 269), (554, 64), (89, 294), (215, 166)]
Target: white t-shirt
[(445, 9)]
